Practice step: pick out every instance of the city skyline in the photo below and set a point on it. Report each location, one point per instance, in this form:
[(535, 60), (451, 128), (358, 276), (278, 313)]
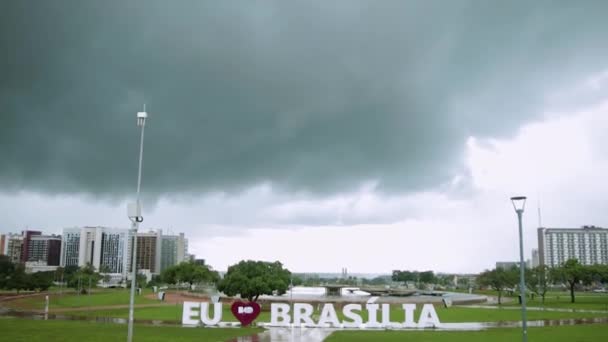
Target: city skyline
[(383, 136)]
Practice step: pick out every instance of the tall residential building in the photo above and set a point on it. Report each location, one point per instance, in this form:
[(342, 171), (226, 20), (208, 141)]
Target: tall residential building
[(27, 238), (149, 246), (70, 247), (106, 249), (13, 247), (588, 244), (2, 239), (44, 249), (174, 250)]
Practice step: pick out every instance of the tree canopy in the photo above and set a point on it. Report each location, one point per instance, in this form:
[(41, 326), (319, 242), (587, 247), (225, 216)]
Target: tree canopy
[(189, 272), (499, 279), (250, 279), (572, 272), (538, 280), (425, 277), (82, 278), (13, 277)]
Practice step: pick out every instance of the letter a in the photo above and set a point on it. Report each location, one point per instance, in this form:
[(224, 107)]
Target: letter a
[(428, 317), (328, 315)]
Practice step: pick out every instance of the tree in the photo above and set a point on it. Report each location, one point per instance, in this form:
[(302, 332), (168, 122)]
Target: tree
[(190, 273), (537, 280), (599, 273), (155, 281), (404, 276), (85, 276), (250, 279), (498, 279), (69, 271), (141, 280), (6, 270), (297, 280), (18, 280), (169, 275), (40, 281), (572, 272), (427, 277)]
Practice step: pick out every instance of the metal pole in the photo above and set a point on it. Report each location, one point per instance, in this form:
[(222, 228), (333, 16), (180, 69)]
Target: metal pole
[(522, 283), (134, 251), (291, 298), (46, 308)]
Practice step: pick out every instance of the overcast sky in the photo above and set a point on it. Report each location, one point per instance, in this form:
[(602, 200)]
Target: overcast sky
[(372, 135)]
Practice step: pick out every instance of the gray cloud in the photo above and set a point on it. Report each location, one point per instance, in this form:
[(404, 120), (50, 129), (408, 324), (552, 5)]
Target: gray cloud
[(308, 96)]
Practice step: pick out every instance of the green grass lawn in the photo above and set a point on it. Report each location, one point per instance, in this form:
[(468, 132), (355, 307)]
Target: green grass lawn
[(583, 300), (98, 298), (168, 313), (12, 329), (581, 333)]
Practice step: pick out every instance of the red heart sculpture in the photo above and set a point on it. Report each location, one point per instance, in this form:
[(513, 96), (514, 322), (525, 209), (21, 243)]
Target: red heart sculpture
[(245, 312)]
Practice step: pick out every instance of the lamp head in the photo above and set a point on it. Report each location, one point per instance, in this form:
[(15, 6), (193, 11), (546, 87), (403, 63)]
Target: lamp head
[(519, 203), (141, 118)]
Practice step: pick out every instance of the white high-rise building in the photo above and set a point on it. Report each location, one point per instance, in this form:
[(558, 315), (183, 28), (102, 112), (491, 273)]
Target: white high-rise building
[(589, 245), (12, 245), (106, 249)]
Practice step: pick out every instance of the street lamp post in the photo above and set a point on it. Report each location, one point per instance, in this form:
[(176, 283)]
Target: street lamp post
[(134, 212), (519, 204)]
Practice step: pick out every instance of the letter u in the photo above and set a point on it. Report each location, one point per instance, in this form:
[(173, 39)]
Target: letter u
[(217, 313)]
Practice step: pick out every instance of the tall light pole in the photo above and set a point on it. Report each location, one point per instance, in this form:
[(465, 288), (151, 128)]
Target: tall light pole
[(134, 212), (519, 204)]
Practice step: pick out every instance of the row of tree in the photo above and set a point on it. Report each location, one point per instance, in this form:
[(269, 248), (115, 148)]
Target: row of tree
[(426, 277), (249, 279), (13, 277), (540, 279)]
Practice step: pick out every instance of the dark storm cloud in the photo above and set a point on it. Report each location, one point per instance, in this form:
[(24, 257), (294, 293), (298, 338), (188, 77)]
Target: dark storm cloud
[(315, 96)]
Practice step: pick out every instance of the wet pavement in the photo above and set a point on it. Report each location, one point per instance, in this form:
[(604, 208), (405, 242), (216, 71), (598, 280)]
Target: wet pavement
[(532, 308), (288, 335)]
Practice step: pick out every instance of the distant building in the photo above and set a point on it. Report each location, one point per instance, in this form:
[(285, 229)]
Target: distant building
[(106, 249), (174, 250), (535, 258), (27, 238), (44, 249), (149, 246), (30, 246), (588, 244), (13, 247), (2, 239), (199, 262), (70, 247), (507, 265), (39, 266)]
